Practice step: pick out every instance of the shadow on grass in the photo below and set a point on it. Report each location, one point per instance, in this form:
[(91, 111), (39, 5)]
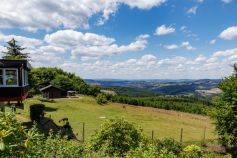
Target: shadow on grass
[(48, 100), (50, 109)]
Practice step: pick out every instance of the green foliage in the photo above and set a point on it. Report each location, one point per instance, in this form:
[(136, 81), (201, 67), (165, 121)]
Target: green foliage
[(14, 138), (167, 154), (41, 77), (17, 141), (178, 103), (36, 112), (143, 151), (116, 137), (192, 151), (55, 146), (14, 51), (169, 144), (63, 82), (101, 98), (225, 112)]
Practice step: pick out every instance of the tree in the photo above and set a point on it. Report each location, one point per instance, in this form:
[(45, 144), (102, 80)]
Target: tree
[(225, 112), (63, 82), (14, 51)]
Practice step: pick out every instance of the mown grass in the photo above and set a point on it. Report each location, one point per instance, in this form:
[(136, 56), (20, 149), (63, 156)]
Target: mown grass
[(164, 123)]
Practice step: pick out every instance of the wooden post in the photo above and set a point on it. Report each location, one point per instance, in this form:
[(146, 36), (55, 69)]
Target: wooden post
[(181, 135), (152, 135), (83, 132), (204, 134), (2, 106)]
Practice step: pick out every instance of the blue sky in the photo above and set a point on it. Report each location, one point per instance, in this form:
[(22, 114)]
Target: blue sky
[(126, 39)]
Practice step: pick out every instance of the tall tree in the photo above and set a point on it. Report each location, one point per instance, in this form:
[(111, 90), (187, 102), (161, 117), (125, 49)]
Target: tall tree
[(225, 112), (14, 51)]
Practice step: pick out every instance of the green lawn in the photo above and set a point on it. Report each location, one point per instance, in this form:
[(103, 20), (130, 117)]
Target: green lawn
[(164, 123)]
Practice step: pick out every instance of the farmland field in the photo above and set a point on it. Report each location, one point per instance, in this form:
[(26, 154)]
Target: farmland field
[(164, 123)]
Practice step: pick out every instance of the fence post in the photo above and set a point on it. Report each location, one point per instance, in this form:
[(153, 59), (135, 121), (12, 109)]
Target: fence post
[(152, 134), (83, 132), (181, 135), (204, 134)]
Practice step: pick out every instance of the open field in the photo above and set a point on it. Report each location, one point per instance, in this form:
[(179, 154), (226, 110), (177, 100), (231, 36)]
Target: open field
[(164, 123)]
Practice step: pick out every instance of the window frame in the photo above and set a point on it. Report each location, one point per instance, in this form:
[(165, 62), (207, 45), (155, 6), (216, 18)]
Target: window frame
[(25, 77), (4, 77)]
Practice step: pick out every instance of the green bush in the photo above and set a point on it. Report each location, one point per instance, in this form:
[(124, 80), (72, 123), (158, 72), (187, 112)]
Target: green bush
[(167, 154), (115, 138), (17, 141), (14, 138), (170, 144), (101, 98), (144, 150), (192, 151)]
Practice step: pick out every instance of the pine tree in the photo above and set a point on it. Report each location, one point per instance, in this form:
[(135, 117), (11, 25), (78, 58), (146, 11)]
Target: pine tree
[(14, 51)]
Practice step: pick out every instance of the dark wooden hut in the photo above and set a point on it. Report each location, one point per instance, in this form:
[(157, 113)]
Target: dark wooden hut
[(51, 91), (14, 83)]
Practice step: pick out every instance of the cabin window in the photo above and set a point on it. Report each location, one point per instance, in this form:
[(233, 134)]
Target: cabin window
[(8, 77), (1, 77), (25, 77)]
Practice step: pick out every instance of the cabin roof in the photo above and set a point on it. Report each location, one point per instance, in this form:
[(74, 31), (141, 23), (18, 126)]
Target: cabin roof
[(15, 64), (49, 86)]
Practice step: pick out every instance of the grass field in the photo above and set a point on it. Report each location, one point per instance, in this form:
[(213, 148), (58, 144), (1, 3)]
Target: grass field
[(164, 123)]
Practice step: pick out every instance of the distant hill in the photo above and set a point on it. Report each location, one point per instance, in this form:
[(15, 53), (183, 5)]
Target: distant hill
[(157, 87)]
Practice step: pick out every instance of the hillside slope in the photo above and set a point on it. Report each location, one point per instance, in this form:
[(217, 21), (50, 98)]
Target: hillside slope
[(164, 123)]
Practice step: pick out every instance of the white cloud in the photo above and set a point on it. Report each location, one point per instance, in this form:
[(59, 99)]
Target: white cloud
[(71, 38), (51, 52), (149, 66), (88, 46), (226, 1), (109, 48), (172, 46), (185, 45), (164, 30), (192, 10), (47, 14), (200, 58), (229, 33), (24, 41), (213, 41)]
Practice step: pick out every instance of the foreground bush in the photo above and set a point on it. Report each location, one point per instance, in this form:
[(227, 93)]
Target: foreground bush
[(116, 137), (170, 144), (17, 141)]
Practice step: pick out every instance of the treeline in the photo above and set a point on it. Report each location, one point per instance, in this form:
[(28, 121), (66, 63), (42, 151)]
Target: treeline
[(41, 77), (178, 103)]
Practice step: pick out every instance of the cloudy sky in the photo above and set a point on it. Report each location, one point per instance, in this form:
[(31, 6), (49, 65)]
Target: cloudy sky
[(126, 39)]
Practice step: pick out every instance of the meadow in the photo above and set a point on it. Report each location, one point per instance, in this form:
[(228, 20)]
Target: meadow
[(164, 123)]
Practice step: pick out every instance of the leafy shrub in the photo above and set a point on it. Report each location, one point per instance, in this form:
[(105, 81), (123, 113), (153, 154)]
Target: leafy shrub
[(170, 144), (115, 137), (167, 154), (145, 149), (37, 112), (101, 98), (17, 141), (55, 146), (14, 138), (192, 151)]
